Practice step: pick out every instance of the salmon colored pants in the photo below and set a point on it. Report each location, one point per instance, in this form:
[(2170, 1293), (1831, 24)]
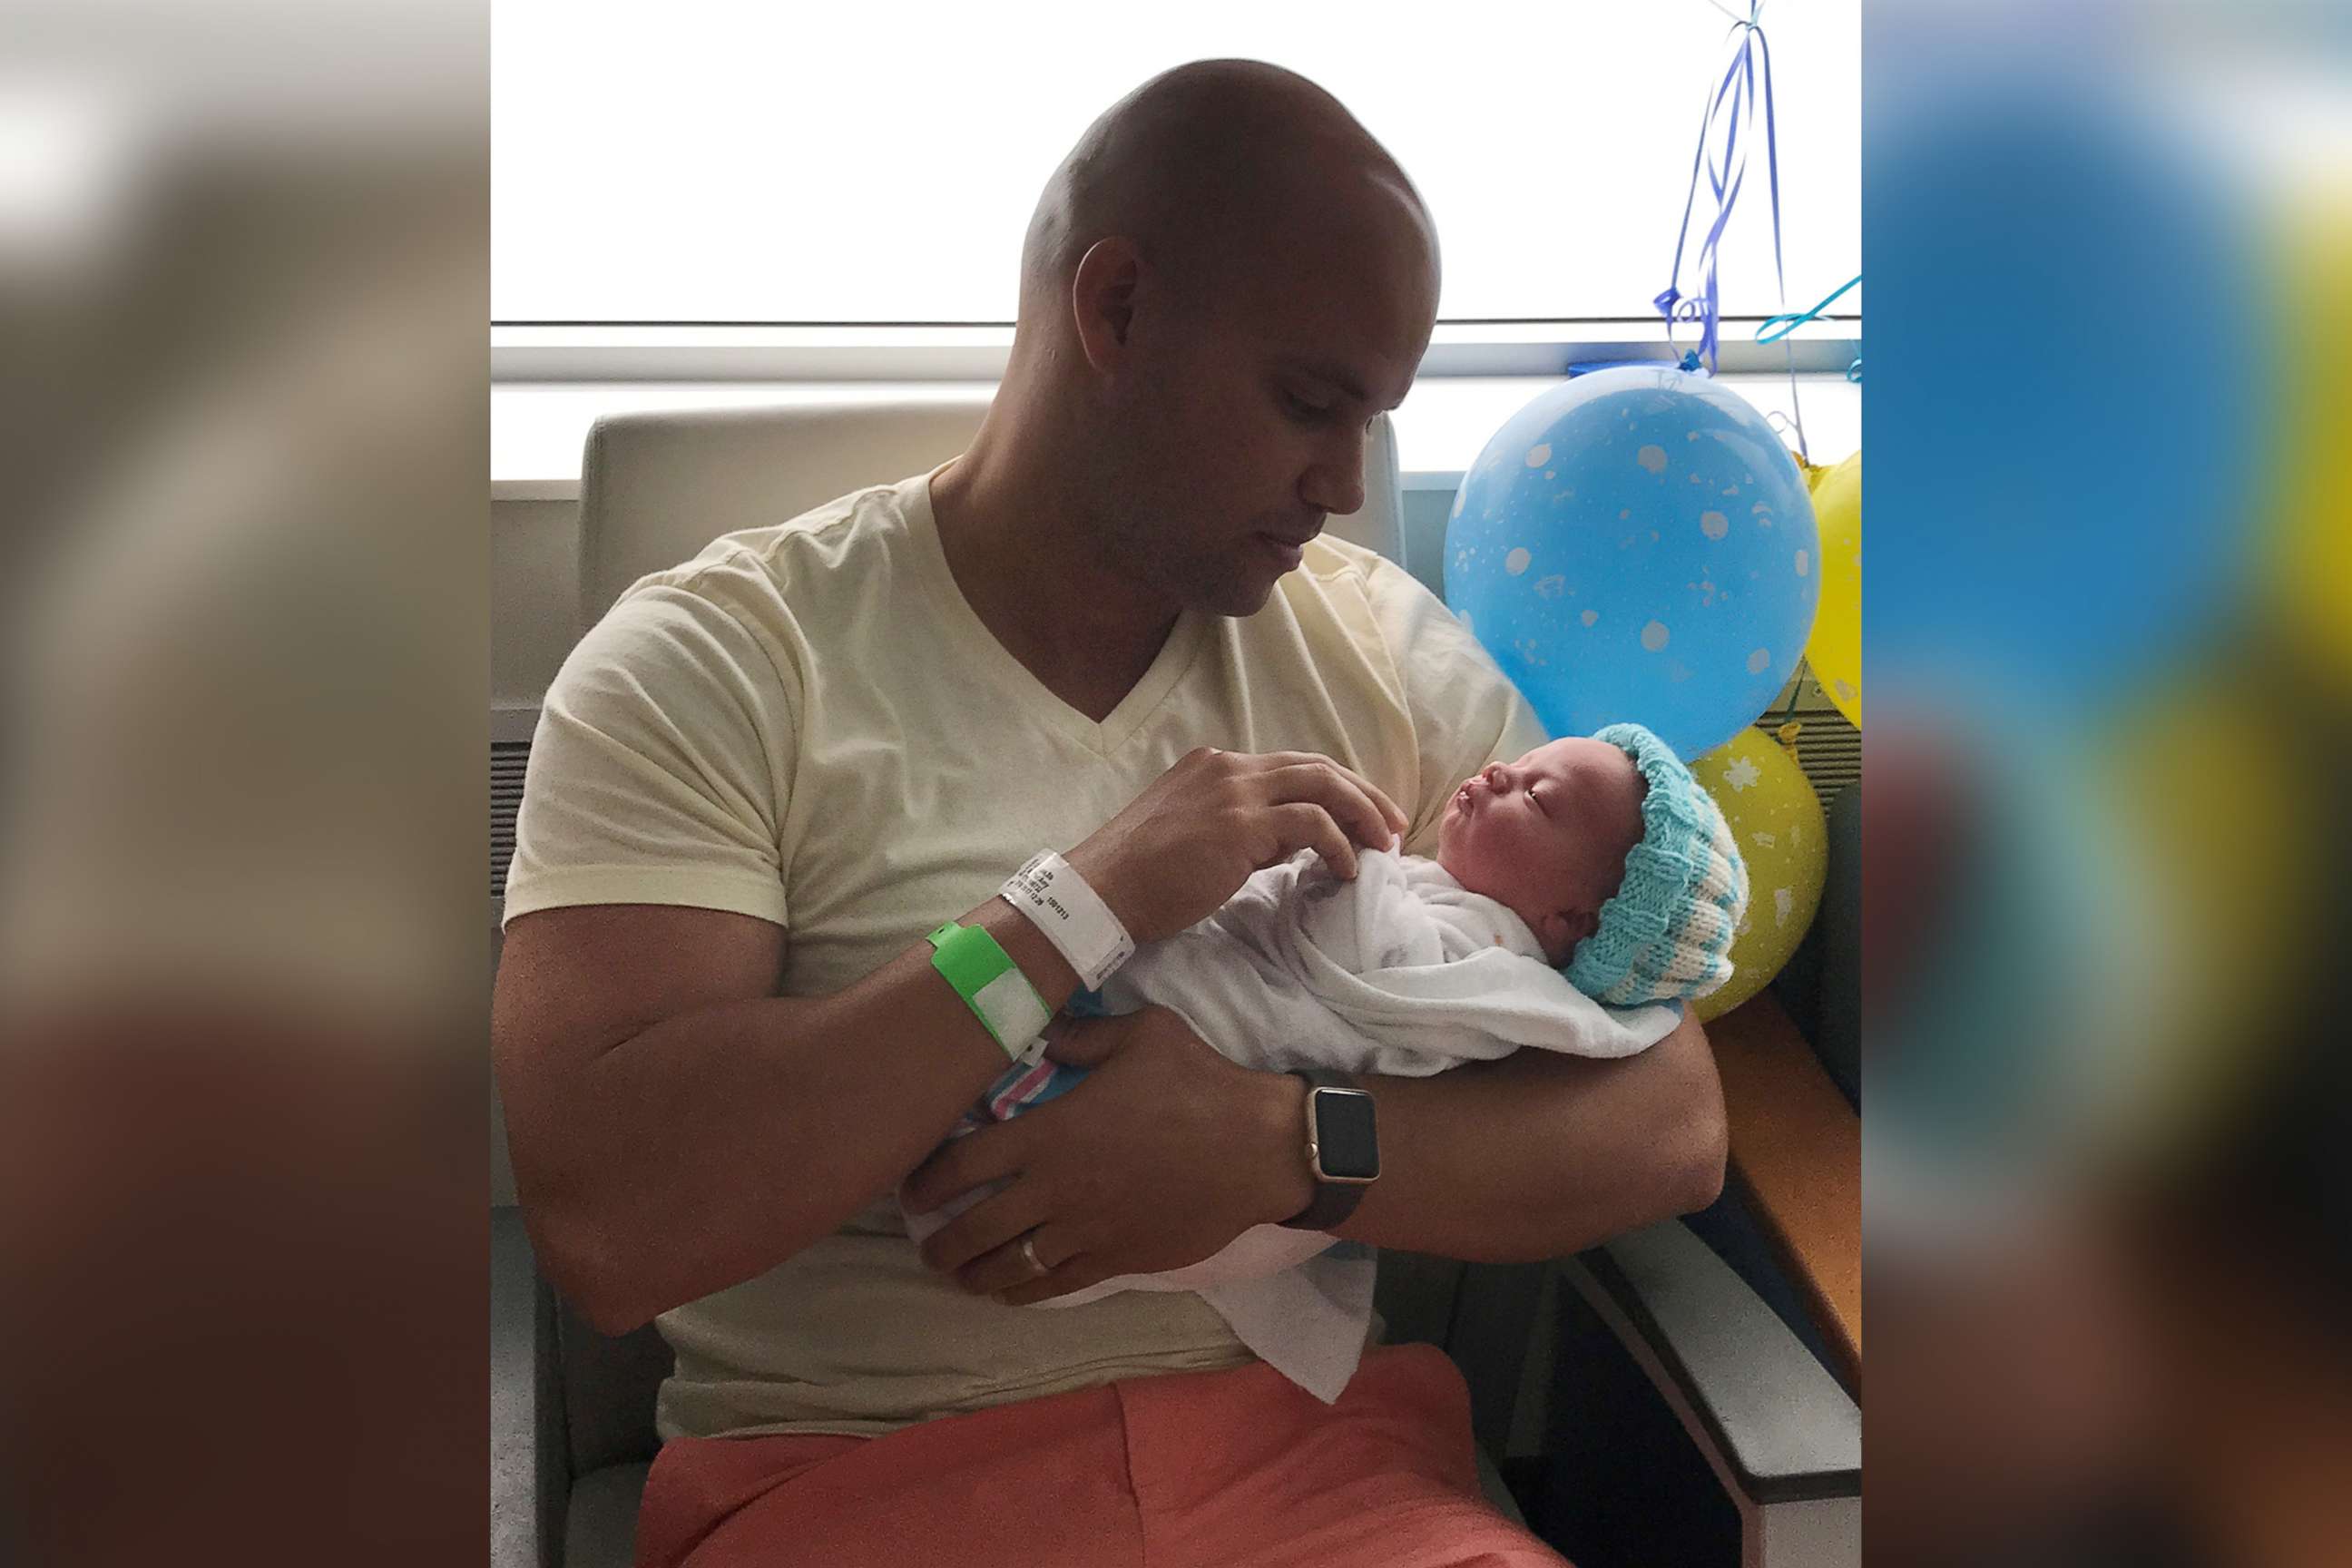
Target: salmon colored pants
[(1215, 1470)]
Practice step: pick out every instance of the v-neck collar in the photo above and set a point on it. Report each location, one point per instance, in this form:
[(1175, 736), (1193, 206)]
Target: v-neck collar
[(963, 626)]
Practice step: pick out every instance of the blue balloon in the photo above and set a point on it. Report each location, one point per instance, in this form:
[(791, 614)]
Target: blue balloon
[(1638, 544), (2071, 389)]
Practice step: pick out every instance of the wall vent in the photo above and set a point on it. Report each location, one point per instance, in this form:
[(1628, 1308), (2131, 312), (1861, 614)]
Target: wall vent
[(507, 759)]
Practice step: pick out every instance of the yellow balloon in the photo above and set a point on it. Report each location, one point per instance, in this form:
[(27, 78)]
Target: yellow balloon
[(2217, 800), (1835, 650), (1777, 821), (2309, 546)]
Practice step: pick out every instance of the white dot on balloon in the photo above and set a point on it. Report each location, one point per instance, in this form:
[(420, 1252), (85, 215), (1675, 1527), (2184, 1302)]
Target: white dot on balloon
[(1590, 616), (1654, 636), (1550, 588), (1784, 904), (1538, 456), (1625, 514), (1845, 688), (1760, 661), (1517, 562), (1714, 524), (1731, 490), (1696, 480), (1652, 459), (1804, 562), (1553, 474)]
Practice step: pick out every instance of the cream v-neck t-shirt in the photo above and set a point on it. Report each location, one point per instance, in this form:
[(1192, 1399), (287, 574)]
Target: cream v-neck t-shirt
[(807, 723)]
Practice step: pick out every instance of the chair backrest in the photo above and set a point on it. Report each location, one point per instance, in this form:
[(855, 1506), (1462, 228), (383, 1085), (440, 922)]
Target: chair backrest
[(656, 488)]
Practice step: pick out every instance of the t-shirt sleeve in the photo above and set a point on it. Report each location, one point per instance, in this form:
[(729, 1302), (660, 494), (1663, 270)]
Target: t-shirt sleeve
[(1465, 710), (658, 773)]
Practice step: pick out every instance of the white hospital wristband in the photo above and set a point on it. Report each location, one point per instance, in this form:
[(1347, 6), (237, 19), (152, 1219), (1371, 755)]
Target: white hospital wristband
[(1073, 915)]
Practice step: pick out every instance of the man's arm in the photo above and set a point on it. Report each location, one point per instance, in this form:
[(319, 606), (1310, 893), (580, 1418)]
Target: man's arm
[(1540, 1154), (1536, 1155), (676, 1128)]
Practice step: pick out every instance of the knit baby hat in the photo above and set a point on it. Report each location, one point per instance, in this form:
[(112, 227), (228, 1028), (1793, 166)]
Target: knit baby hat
[(1666, 932)]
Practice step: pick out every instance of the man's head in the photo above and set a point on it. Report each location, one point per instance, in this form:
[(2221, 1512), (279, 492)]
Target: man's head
[(1223, 284)]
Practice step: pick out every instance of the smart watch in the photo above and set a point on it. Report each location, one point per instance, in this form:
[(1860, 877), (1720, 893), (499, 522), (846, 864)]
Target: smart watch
[(1343, 1147)]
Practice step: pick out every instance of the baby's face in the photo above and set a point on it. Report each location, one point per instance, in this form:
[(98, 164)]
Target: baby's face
[(1547, 835)]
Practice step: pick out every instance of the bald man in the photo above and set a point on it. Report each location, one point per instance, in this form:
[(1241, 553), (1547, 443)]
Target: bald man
[(770, 776)]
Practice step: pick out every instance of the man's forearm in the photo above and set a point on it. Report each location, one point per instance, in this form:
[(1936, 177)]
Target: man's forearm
[(705, 1149), (1539, 1156)]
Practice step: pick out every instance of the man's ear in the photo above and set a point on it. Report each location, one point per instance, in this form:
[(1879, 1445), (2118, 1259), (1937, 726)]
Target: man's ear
[(1561, 930), (1102, 299)]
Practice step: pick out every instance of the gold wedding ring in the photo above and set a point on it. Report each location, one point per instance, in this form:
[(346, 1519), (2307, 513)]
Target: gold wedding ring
[(1029, 1250)]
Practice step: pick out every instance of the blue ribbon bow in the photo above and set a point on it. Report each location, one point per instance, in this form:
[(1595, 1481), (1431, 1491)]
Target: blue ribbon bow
[(1731, 105)]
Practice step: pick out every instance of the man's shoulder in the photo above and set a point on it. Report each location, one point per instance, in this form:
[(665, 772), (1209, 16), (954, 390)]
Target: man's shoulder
[(762, 571)]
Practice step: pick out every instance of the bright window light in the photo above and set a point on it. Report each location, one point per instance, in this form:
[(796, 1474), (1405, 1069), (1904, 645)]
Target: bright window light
[(700, 161)]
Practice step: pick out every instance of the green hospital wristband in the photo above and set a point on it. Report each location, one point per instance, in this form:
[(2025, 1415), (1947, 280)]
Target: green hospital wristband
[(992, 986)]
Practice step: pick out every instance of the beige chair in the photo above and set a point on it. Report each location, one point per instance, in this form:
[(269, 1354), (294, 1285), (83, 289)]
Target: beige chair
[(573, 1410), (656, 488)]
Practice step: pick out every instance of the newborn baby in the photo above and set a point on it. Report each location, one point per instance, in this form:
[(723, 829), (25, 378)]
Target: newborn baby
[(1587, 872), (1571, 832)]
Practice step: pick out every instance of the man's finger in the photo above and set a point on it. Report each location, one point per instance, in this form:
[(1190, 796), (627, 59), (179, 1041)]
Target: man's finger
[(984, 1228), (1391, 813), (1303, 826), (1007, 1266), (1075, 1273), (1351, 802), (1084, 1042), (1398, 822), (963, 1163)]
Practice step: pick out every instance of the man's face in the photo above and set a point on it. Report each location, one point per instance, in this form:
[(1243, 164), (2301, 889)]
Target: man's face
[(1248, 426)]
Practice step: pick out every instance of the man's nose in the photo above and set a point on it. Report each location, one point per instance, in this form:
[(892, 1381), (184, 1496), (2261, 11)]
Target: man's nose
[(1336, 483)]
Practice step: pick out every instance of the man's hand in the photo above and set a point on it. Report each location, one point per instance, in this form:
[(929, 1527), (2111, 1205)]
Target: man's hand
[(1189, 841), (1166, 1152)]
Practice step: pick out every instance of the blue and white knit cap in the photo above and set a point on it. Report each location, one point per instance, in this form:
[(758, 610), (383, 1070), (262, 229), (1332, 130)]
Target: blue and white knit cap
[(1666, 932)]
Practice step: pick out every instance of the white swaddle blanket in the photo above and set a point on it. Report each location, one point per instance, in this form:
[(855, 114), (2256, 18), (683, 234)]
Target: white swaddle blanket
[(1403, 972)]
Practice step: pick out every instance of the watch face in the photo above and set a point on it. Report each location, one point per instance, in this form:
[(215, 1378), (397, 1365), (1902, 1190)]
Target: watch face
[(1346, 1145)]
